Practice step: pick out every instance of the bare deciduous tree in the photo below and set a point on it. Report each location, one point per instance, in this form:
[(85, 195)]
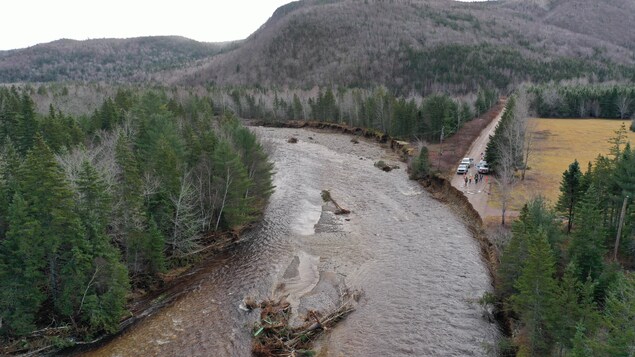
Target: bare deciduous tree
[(528, 147), (186, 222), (524, 128), (505, 177), (623, 103)]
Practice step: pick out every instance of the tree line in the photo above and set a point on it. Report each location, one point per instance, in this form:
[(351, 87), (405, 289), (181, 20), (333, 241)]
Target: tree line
[(459, 66), (582, 100), (570, 289), (411, 117), (94, 206)]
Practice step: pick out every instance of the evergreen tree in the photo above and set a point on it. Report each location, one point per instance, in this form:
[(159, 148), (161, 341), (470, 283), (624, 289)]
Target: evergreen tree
[(618, 141), (534, 218), (537, 294), (586, 249), (153, 245), (254, 159), (570, 192), (26, 124), (130, 219), (298, 111), (104, 297), (574, 306), (22, 271), (580, 343), (619, 313), (420, 165), (50, 200), (9, 164)]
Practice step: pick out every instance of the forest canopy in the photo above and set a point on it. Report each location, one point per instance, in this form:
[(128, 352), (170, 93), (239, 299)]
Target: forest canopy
[(96, 205)]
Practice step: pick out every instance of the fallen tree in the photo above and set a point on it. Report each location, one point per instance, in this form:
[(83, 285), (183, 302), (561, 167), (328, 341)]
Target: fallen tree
[(273, 335), (326, 196)]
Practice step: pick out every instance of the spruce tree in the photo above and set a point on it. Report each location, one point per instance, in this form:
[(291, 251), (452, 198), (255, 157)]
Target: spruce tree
[(129, 214), (254, 159), (22, 271), (534, 218), (570, 192), (104, 297), (619, 314), (537, 294), (420, 165), (586, 248), (9, 164), (50, 201), (26, 124), (574, 306)]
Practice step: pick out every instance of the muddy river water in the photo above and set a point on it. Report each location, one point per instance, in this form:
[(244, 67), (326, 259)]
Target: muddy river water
[(417, 264)]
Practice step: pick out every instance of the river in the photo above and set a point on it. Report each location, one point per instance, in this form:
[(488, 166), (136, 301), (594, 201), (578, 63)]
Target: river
[(417, 264)]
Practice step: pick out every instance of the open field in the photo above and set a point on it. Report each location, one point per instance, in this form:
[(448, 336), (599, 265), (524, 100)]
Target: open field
[(557, 142)]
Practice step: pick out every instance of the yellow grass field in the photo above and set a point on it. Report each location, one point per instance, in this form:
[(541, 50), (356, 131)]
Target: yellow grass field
[(557, 142)]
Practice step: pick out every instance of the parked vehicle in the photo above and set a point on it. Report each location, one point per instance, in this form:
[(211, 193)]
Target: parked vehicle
[(483, 168), (462, 169), (467, 161)]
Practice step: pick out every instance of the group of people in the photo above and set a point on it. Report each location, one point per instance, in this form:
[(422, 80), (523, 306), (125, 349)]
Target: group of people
[(469, 177)]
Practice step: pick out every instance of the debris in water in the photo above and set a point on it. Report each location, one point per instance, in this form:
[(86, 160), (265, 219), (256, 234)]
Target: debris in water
[(273, 335), (292, 140), (248, 304), (326, 197), (383, 166)]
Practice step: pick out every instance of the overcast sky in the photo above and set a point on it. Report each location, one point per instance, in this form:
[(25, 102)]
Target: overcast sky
[(26, 23)]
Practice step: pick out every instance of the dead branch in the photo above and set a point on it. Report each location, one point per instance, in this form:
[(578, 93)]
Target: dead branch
[(326, 196)]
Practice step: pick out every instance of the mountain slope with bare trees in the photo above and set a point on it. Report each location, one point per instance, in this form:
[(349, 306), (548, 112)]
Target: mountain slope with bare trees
[(121, 60), (429, 45), (420, 46)]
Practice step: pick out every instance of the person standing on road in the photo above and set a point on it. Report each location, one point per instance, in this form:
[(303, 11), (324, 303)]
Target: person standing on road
[(476, 179), (465, 174)]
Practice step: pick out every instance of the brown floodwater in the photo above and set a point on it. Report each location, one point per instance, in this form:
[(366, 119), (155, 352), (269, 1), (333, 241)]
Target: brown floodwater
[(417, 264)]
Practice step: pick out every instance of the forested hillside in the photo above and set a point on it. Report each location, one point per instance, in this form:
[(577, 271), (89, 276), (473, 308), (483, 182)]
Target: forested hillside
[(428, 46), (422, 46), (93, 206), (120, 60)]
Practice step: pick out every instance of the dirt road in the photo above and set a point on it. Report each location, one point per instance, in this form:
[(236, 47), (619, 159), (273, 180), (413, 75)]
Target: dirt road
[(478, 194)]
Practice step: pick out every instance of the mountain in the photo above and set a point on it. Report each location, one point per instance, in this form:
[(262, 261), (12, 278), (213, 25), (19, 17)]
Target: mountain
[(429, 45), (408, 46), (103, 59)]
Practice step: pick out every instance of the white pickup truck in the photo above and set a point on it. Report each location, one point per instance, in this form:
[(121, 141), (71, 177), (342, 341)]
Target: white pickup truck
[(482, 167), (467, 161)]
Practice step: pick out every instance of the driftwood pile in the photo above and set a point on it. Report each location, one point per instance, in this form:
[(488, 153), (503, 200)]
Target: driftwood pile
[(273, 336), (326, 197)]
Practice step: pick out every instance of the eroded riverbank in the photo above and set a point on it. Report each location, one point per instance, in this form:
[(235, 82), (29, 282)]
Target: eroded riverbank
[(417, 263)]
